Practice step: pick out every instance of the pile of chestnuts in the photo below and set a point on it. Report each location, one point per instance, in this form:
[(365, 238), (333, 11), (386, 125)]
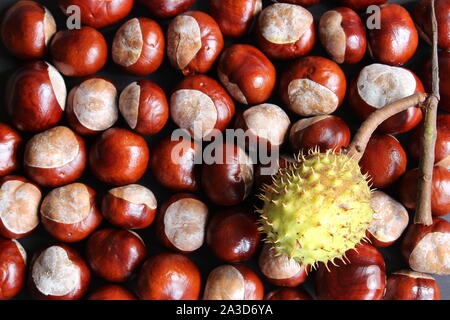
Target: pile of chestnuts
[(87, 157)]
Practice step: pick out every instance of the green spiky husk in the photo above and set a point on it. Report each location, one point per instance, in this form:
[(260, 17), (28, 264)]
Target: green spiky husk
[(317, 208)]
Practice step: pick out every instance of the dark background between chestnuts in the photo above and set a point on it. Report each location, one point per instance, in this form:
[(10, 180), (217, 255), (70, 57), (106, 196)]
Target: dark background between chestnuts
[(167, 78)]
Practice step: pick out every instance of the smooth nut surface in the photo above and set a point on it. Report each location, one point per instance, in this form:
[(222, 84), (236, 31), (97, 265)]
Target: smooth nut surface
[(333, 35), (136, 194), (225, 283)]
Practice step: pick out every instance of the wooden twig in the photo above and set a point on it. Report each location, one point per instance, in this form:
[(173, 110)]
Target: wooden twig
[(428, 141)]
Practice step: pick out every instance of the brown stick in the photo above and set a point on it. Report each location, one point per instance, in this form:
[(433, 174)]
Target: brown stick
[(428, 141), (359, 143)]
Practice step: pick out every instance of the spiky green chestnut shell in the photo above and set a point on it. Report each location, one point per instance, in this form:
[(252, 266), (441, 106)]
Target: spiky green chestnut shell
[(317, 208)]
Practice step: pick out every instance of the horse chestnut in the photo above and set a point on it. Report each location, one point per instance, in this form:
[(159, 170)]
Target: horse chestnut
[(164, 9), (13, 261), (11, 144), (422, 13), (411, 285)]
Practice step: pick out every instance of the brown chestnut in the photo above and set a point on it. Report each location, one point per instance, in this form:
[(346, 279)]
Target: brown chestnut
[(396, 40), (233, 282), (247, 74), (442, 151), (384, 160), (138, 46), (129, 207), (55, 157), (390, 219), (285, 31), (181, 223), (265, 125), (343, 36), (70, 213), (422, 13), (173, 163), (99, 13), (58, 273), (119, 157), (232, 234), (144, 106), (111, 292), (13, 261), (313, 86), (92, 106), (11, 144), (169, 276), (167, 8), (440, 190), (427, 248), (235, 17), (377, 85), (411, 285), (194, 42), (19, 207), (35, 97), (228, 180), (79, 52), (280, 270), (288, 294), (26, 29), (444, 78), (200, 105), (362, 277), (325, 132), (361, 4), (113, 254)]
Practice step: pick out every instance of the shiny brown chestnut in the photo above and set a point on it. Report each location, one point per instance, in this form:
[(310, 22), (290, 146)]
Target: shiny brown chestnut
[(235, 17), (27, 28), (173, 163), (200, 105), (194, 42), (111, 292), (181, 223), (138, 46), (13, 261), (265, 125), (233, 282), (229, 180), (390, 219), (323, 81), (396, 40), (55, 157), (285, 31), (232, 234), (264, 172), (444, 78), (11, 144), (79, 52), (411, 285), (288, 294), (421, 14), (343, 35), (169, 276), (427, 248), (35, 97), (92, 106), (361, 4), (164, 9), (70, 213), (247, 74), (384, 160), (325, 132), (119, 157), (129, 207), (58, 272), (19, 206), (114, 254), (442, 151), (144, 106), (440, 190), (98, 13), (377, 85), (281, 270), (363, 277)]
